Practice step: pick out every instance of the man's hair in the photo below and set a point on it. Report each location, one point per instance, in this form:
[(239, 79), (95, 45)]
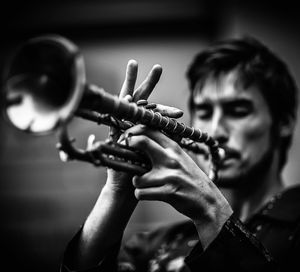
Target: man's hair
[(256, 65)]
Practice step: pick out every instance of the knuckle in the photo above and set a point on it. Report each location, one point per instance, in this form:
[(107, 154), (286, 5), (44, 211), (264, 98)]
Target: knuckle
[(137, 182), (135, 129), (173, 158), (142, 141), (177, 148), (138, 194), (173, 163), (170, 190)]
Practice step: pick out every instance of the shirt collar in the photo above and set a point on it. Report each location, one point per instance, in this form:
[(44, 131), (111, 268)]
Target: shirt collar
[(285, 206)]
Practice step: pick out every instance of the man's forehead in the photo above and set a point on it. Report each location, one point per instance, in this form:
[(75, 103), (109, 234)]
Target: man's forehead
[(225, 87)]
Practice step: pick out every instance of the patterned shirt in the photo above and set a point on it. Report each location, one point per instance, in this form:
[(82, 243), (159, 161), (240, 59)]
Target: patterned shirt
[(269, 241)]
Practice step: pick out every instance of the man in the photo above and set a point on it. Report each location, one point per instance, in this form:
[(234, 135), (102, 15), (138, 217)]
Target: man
[(244, 97)]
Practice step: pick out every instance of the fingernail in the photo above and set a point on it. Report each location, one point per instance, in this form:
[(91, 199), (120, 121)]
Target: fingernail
[(157, 66), (142, 102), (128, 97), (151, 106), (132, 62), (176, 112), (121, 138)]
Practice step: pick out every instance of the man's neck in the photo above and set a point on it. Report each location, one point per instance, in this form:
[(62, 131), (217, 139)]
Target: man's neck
[(247, 201)]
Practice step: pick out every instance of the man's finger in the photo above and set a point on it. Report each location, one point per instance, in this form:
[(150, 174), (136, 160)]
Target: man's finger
[(160, 138), (130, 79), (154, 150), (171, 112), (147, 86), (115, 132)]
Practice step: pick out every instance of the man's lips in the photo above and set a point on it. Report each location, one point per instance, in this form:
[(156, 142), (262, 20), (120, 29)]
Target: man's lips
[(230, 155)]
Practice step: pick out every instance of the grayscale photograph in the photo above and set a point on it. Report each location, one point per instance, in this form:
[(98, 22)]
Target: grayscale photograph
[(149, 136)]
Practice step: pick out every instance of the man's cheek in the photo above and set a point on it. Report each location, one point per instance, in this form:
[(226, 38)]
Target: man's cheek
[(256, 129), (255, 142), (256, 134)]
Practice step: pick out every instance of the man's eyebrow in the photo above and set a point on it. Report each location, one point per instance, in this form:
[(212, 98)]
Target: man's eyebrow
[(201, 104), (227, 102), (237, 102)]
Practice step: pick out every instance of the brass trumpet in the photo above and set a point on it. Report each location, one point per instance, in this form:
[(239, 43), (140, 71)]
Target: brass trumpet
[(45, 86)]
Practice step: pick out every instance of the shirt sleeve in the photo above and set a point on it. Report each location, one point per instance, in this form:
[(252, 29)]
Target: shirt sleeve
[(128, 257), (234, 249), (107, 264)]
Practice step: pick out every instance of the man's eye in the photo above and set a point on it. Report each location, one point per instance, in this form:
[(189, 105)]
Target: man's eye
[(239, 111), (203, 113)]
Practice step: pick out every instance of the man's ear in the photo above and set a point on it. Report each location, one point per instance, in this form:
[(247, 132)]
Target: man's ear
[(286, 126)]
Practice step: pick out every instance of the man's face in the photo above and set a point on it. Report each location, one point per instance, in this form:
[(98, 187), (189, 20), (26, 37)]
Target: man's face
[(240, 120)]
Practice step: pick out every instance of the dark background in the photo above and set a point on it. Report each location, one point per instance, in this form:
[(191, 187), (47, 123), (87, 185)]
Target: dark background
[(42, 200)]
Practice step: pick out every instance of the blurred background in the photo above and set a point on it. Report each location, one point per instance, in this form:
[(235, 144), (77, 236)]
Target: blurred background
[(44, 201)]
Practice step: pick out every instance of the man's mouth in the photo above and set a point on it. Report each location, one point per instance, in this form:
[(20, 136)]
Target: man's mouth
[(231, 156)]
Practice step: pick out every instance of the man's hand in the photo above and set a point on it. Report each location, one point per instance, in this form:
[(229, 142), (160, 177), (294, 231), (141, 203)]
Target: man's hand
[(177, 180), (120, 180), (105, 225)]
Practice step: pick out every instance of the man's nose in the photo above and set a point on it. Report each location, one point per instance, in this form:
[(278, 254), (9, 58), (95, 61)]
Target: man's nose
[(219, 129)]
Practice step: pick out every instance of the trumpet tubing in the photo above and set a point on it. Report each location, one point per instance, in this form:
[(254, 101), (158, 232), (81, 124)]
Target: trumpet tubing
[(45, 87)]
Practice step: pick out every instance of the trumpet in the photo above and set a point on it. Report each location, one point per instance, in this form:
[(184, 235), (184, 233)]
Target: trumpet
[(45, 87)]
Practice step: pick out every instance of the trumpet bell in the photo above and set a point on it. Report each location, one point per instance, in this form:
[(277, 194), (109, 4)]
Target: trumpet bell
[(44, 84)]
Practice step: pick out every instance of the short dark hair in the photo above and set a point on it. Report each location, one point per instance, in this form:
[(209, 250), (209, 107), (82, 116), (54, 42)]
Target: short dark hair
[(256, 65)]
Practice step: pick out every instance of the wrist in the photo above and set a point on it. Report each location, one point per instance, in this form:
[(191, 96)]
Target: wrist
[(110, 214), (119, 181), (210, 225), (116, 193)]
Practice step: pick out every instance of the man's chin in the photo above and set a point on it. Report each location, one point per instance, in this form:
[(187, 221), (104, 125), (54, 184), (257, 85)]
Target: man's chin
[(228, 179), (239, 175)]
